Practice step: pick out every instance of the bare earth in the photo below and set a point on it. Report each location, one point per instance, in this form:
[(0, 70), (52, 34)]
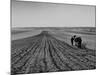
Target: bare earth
[(49, 50)]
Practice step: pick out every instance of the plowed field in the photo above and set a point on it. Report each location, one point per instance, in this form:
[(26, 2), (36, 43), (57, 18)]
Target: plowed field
[(45, 53)]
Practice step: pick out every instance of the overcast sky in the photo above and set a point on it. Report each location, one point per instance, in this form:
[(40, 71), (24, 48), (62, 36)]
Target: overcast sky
[(39, 14)]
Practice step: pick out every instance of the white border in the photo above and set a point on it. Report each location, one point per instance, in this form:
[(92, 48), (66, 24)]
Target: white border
[(5, 36)]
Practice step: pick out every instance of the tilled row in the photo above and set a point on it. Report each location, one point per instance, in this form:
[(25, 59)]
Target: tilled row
[(48, 54)]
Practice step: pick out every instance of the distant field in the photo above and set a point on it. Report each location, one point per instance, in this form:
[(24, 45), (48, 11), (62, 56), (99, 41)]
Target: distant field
[(88, 34), (17, 31)]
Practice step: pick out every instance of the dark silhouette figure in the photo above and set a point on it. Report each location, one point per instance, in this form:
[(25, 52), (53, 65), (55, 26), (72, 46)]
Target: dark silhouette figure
[(72, 39), (78, 42)]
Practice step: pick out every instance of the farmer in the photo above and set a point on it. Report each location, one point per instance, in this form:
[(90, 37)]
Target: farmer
[(72, 39), (78, 42)]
